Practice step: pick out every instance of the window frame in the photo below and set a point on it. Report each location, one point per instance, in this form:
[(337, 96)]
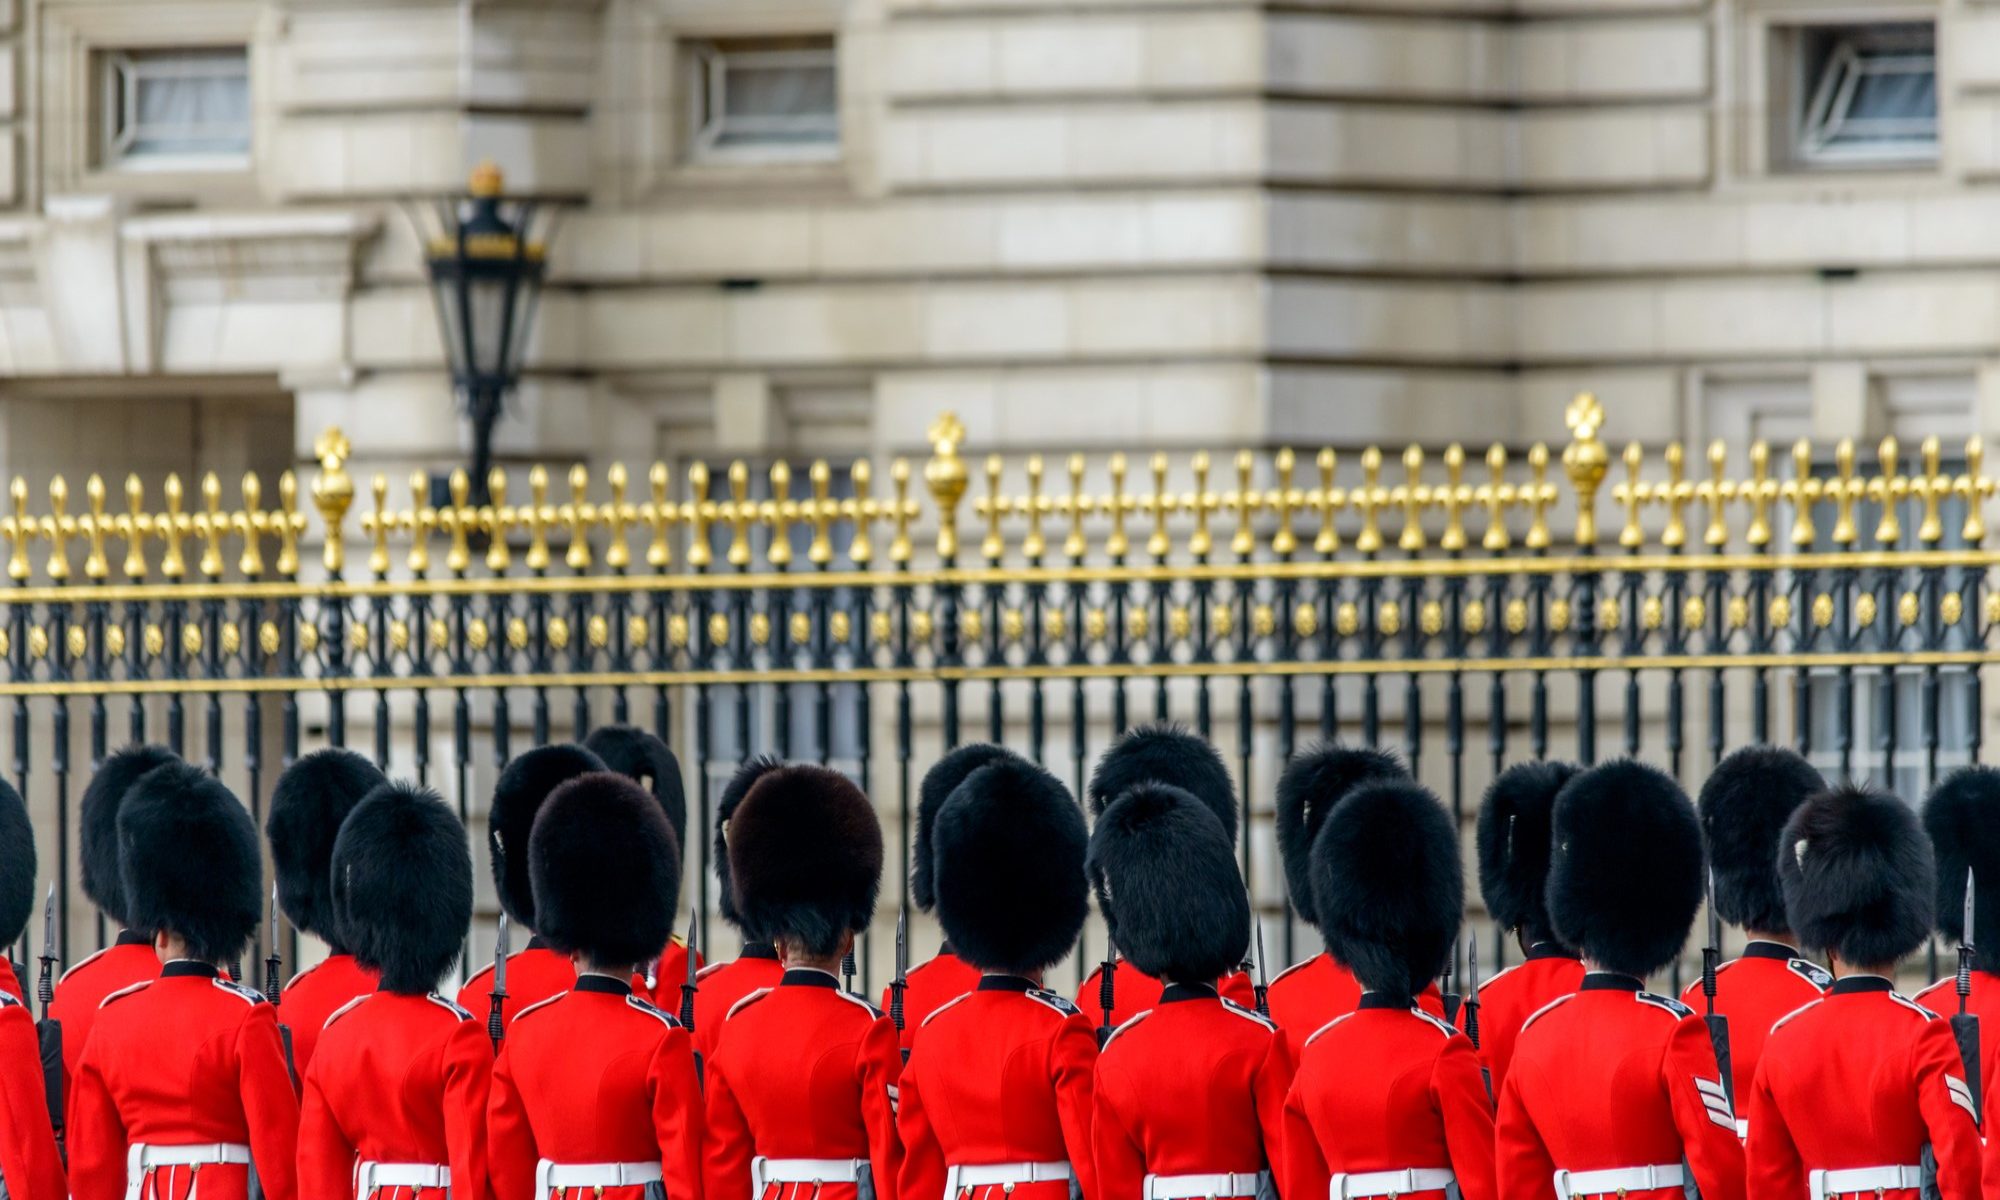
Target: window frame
[(708, 62), (1797, 101), (1814, 144), (118, 70)]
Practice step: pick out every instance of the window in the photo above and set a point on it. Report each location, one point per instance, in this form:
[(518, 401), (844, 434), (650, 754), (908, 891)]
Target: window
[(1863, 95), (770, 98), (175, 109)]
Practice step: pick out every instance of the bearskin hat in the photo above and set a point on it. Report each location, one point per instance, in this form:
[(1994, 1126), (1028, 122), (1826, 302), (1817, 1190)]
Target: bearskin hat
[(606, 870), (1625, 871), (1744, 806), (190, 861), (1858, 877), (1010, 844), (1166, 879), (725, 808), (1963, 819), (308, 803), (1316, 780), (639, 755), (103, 881), (1513, 843), (939, 782), (402, 886), (805, 855), (1390, 889), (524, 785), (1165, 753), (17, 865)]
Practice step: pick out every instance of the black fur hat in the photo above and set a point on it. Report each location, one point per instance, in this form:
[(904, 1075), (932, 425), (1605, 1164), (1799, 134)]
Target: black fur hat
[(402, 886), (1858, 877), (639, 755), (1389, 885), (805, 855), (1744, 806), (1010, 843), (191, 864), (725, 808), (524, 785), (1165, 753), (1315, 781), (1963, 819), (17, 866), (1625, 872), (308, 803), (1166, 879), (1513, 843), (606, 870), (939, 782), (103, 881)]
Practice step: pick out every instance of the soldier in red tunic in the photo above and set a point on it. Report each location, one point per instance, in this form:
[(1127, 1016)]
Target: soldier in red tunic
[(1962, 817), (1311, 993), (537, 972), (1614, 1091), (996, 1094), (1743, 808), (1862, 1093), (30, 1163), (308, 803), (643, 757), (802, 1085), (183, 1084), (594, 1093), (395, 1098), (130, 958), (1190, 1093), (1513, 844), (1158, 754), (1388, 1100), (721, 984)]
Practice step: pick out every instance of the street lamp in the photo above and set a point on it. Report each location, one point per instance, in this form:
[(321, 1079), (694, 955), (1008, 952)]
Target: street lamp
[(486, 254)]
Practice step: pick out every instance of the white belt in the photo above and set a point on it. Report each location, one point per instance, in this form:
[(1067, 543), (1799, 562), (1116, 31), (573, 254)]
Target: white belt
[(1617, 1181), (765, 1171), (958, 1180), (1823, 1184), (1202, 1187), (372, 1176), (142, 1159), (1390, 1183), (552, 1176)]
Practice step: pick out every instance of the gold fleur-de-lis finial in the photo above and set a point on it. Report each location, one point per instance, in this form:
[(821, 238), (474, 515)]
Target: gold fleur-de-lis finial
[(1585, 460), (251, 524), (819, 551), (96, 564), (946, 476), (332, 492)]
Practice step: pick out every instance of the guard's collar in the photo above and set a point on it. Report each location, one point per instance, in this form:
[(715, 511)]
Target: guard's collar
[(1385, 1000), (593, 982), (1611, 981), (132, 937), (1005, 983), (1541, 950), (1777, 950), (190, 968), (760, 950), (808, 977), (1850, 984), (1175, 992)]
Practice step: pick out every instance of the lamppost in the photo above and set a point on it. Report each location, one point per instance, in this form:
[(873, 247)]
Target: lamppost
[(486, 254)]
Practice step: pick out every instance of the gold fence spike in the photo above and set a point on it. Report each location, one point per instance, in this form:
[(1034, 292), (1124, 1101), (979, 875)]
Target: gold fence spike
[(1415, 497), (210, 524), (1118, 504), (1632, 493), (1496, 494), (861, 510), (819, 551), (1759, 494), (1034, 545), (1931, 486), (96, 564), (1244, 542), (1074, 544), (780, 511), (1886, 489), (377, 524), (1973, 487), (20, 529), (1453, 497), (58, 527), (332, 492), (458, 557), (616, 516), (738, 513), (1846, 490), (1201, 502), (1802, 491), (1676, 493), (1585, 461), (1284, 542), (1328, 499), (579, 514), (1715, 492), (251, 524), (1158, 504), (173, 525), (135, 525), (993, 504), (538, 515), (420, 521), (291, 524), (945, 476), (1369, 498), (659, 517), (700, 514), (1539, 494), (900, 546), (496, 519)]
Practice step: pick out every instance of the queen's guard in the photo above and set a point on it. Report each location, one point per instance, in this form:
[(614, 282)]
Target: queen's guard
[(30, 1163), (721, 984), (802, 1084), (395, 1097), (996, 1094), (643, 757), (1615, 1091), (183, 1084), (1962, 817), (1389, 1100)]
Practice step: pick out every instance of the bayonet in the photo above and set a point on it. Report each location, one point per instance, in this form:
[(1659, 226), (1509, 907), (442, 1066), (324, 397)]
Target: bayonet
[(48, 1032), (496, 1020), (1965, 1025), (1106, 996), (1263, 972), (847, 970), (1718, 1024), (1472, 1008), (274, 963), (45, 990), (902, 979), (688, 987)]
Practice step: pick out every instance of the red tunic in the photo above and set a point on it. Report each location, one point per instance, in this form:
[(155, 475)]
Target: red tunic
[(396, 1079), (30, 1166), (188, 1059), (1507, 1000), (1755, 992), (1942, 997), (1001, 1075), (1308, 995), (721, 985), (1194, 1086), (803, 1071), (930, 986), (1613, 1078), (1133, 992), (1863, 1078), (595, 1075), (129, 960), (315, 994), (533, 975), (1388, 1088)]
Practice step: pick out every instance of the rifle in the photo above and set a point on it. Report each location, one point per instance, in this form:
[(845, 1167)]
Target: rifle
[(274, 965), (1965, 1025), (1263, 973), (1447, 982), (1105, 999), (902, 980), (1718, 1024), (496, 1018), (1472, 1008), (847, 969), (49, 1031), (688, 987)]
